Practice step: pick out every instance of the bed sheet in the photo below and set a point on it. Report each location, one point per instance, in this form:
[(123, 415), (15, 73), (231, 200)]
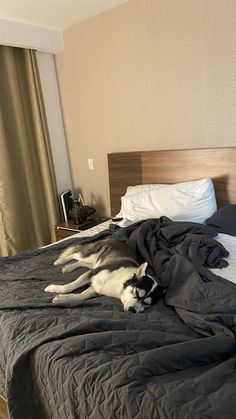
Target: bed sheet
[(229, 242), (96, 361), (4, 334)]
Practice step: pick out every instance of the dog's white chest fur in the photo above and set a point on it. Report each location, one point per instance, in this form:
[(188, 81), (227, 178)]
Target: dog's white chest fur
[(110, 283)]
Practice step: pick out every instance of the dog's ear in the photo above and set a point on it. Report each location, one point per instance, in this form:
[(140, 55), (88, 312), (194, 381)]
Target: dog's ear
[(141, 270)]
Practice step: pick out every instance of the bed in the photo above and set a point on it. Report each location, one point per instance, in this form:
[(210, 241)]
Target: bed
[(174, 360)]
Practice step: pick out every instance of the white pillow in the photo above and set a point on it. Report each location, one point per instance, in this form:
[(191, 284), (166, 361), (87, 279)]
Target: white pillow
[(144, 188), (134, 189), (188, 201)]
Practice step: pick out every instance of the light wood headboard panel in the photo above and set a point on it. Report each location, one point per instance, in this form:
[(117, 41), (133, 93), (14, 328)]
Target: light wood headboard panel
[(172, 166)]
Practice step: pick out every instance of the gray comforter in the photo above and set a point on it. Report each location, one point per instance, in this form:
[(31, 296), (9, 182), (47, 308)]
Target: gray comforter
[(175, 360)]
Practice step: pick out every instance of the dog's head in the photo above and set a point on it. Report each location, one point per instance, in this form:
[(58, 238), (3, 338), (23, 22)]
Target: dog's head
[(140, 291)]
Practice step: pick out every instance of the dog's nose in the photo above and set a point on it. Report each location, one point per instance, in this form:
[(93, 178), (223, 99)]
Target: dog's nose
[(132, 309)]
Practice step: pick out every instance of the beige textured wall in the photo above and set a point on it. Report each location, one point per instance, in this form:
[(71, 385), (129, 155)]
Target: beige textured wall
[(150, 74)]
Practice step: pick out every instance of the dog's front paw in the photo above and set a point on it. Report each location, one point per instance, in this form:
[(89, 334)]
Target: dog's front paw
[(53, 288)]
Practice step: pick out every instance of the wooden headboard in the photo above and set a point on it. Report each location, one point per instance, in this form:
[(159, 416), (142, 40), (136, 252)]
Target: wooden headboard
[(172, 166)]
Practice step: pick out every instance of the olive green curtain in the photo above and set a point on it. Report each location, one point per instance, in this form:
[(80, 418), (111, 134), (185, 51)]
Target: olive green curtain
[(28, 194)]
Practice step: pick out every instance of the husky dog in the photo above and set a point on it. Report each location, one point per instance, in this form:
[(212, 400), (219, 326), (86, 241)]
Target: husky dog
[(114, 271)]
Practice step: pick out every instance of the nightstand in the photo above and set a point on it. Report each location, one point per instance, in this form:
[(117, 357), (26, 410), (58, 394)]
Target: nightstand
[(68, 228)]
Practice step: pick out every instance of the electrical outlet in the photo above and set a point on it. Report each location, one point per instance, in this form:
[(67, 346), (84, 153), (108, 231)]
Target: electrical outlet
[(90, 164)]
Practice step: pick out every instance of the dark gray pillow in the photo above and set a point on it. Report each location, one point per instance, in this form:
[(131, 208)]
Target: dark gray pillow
[(224, 220)]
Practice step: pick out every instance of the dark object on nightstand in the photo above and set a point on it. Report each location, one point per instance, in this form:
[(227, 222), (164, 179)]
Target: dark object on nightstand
[(80, 213)]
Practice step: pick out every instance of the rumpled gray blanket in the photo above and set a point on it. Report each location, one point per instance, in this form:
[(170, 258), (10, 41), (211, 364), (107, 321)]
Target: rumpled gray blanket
[(175, 360)]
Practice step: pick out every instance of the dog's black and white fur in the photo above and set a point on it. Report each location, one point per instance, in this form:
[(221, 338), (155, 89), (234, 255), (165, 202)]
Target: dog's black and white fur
[(114, 271)]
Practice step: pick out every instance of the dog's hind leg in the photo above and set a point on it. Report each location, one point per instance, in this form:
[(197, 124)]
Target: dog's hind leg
[(84, 279), (74, 299), (72, 266), (66, 256)]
